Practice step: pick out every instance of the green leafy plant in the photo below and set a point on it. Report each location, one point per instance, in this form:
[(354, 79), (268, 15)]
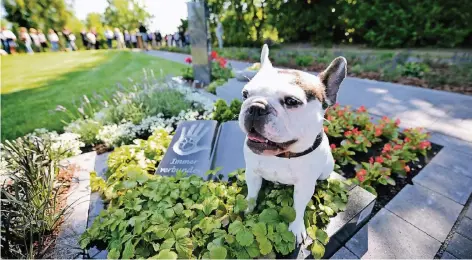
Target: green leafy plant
[(413, 69), (214, 85), (87, 129), (31, 208), (303, 60), (224, 113), (187, 217)]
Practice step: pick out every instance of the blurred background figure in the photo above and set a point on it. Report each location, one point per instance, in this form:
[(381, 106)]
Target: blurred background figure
[(127, 38), (97, 38), (42, 40), (53, 39), (26, 39), (83, 35), (177, 39), (120, 41), (35, 38), (109, 37), (134, 39), (91, 41), (158, 38), (70, 38), (143, 32)]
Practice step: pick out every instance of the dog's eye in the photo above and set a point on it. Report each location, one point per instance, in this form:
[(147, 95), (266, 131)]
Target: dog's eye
[(245, 93), (290, 101)]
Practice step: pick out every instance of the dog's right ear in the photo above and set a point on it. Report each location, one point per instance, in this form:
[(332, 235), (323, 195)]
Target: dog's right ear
[(265, 57)]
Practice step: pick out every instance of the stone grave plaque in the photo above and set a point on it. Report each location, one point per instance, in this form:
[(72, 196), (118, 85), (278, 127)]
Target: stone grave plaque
[(229, 149), (190, 150)]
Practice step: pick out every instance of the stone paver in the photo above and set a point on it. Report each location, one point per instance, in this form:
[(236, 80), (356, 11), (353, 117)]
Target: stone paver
[(469, 212), (425, 209), (447, 255), (344, 253), (460, 247), (451, 142), (454, 161), (388, 236), (465, 228), (453, 185)]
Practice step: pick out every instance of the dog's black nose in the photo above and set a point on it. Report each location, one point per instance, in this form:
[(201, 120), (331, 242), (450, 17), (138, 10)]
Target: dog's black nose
[(258, 109)]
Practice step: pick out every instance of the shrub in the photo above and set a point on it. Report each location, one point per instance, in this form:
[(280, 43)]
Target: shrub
[(413, 69), (87, 129), (303, 60), (224, 113)]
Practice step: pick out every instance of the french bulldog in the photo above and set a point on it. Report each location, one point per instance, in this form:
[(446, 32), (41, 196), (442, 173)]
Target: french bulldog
[(282, 116)]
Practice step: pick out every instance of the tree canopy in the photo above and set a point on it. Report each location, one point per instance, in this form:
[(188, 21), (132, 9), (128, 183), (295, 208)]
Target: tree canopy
[(125, 14)]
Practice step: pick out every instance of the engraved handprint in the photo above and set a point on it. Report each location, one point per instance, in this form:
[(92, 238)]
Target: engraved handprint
[(188, 140)]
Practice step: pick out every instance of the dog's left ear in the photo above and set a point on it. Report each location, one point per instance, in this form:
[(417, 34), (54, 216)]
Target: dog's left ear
[(332, 78), (265, 57)]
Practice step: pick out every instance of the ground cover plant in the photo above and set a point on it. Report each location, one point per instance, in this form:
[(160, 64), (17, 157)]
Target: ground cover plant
[(451, 72), (32, 86), (188, 217)]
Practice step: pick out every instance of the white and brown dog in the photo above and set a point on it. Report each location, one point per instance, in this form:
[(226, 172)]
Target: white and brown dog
[(282, 115)]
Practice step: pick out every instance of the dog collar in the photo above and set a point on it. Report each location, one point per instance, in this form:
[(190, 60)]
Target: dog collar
[(315, 145)]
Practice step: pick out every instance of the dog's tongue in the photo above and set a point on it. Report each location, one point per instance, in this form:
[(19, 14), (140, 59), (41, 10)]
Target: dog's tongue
[(256, 137)]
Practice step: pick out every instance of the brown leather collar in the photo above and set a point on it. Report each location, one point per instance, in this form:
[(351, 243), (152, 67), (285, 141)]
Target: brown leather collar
[(315, 145)]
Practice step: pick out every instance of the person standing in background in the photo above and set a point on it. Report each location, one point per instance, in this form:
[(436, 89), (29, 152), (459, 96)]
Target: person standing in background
[(109, 36), (4, 42), (10, 39), (70, 39), (127, 38), (35, 39), (120, 41), (54, 39), (97, 38), (83, 35), (158, 38), (42, 40), (26, 39), (177, 39), (169, 40), (134, 38), (91, 40), (143, 32), (182, 38)]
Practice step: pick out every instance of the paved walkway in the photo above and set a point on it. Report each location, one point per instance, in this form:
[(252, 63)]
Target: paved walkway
[(433, 217)]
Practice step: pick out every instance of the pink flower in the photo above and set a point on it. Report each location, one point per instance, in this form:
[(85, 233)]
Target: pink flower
[(407, 168), (379, 159), (188, 60), (347, 133), (361, 109), (360, 175), (333, 146), (424, 144), (387, 148), (397, 122), (371, 160)]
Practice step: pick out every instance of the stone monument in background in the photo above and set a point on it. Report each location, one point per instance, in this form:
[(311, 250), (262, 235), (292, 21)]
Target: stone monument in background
[(199, 41)]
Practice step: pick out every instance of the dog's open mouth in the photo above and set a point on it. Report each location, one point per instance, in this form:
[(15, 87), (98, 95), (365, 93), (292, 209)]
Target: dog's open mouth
[(259, 142)]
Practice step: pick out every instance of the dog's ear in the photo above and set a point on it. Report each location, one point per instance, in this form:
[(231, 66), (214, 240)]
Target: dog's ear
[(265, 57), (332, 78)]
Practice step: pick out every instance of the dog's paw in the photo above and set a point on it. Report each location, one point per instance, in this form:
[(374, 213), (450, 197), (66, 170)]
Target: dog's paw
[(299, 230)]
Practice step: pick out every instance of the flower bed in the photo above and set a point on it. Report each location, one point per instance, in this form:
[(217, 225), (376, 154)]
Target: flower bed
[(423, 71)]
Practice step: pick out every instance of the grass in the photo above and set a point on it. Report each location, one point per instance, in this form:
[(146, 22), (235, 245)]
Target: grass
[(32, 86)]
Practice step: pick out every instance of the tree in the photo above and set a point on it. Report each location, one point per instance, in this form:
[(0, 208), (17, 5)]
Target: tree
[(44, 14), (94, 20), (125, 14)]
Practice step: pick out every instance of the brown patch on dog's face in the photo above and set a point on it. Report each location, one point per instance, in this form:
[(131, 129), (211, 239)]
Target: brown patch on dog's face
[(312, 91)]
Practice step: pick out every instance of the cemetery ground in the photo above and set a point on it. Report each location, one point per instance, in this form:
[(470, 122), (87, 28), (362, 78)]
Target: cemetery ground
[(133, 213), (34, 85)]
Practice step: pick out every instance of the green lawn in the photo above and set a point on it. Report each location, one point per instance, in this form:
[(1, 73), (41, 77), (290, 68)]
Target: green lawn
[(33, 85)]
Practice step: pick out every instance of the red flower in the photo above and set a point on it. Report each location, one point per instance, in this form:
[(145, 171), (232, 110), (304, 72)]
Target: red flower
[(355, 131), (407, 168), (188, 60), (379, 159), (378, 131), (214, 55), (388, 156), (424, 144), (347, 133), (386, 119), (397, 122), (333, 146), (360, 175), (387, 148), (407, 140), (329, 118), (325, 129), (397, 147), (222, 62), (340, 113), (361, 109)]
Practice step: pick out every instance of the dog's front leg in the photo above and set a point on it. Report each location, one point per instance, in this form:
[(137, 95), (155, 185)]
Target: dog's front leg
[(254, 183), (302, 194)]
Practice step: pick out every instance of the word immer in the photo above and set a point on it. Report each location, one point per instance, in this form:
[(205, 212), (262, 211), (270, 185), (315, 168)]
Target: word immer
[(177, 161)]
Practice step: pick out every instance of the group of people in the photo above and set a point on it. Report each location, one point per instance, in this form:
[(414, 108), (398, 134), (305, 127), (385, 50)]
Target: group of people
[(35, 40)]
